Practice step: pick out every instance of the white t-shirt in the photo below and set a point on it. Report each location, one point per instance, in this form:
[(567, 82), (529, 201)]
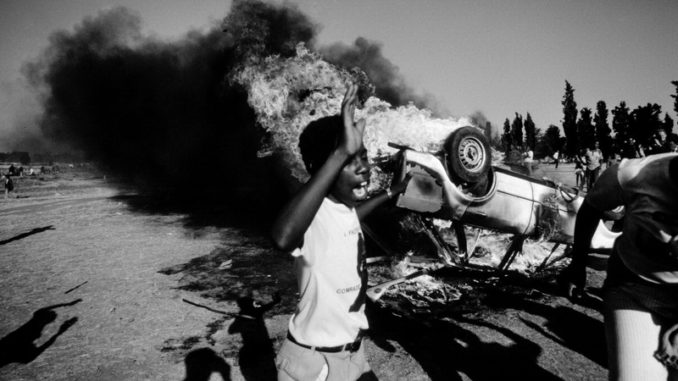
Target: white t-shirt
[(529, 156), (331, 309)]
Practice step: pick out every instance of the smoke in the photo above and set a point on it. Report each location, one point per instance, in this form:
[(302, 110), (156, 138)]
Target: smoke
[(479, 120), (166, 112), (385, 76), (157, 111), (18, 127)]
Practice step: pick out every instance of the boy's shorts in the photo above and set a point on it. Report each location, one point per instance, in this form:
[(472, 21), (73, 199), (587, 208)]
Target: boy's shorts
[(295, 362)]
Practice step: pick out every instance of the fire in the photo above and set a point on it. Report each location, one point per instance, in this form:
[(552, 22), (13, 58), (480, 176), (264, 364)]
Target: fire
[(288, 93)]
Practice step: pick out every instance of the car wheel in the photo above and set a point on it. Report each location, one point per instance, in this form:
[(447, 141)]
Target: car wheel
[(468, 155)]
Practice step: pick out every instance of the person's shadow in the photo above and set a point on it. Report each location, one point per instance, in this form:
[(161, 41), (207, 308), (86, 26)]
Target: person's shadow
[(26, 234), (18, 346), (444, 349), (570, 328), (257, 356), (201, 363)]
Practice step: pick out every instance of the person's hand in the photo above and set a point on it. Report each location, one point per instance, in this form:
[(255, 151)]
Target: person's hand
[(352, 138), (400, 186), (572, 281), (673, 246), (67, 324), (667, 353)]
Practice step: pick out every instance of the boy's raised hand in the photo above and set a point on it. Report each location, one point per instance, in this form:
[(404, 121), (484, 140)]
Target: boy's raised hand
[(352, 138)]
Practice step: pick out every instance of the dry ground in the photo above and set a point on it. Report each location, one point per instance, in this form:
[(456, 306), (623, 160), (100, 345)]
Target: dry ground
[(146, 292)]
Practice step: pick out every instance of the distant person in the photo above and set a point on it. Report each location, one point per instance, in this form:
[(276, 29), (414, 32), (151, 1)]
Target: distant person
[(641, 288), (528, 161), (8, 184), (599, 155), (615, 158), (321, 227), (632, 149), (556, 157), (594, 159), (579, 164), (12, 170), (659, 143)]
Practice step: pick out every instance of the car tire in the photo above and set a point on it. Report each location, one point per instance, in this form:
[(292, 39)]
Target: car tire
[(468, 155)]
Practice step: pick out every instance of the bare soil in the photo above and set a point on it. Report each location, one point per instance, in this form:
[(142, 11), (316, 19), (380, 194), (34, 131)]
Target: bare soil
[(100, 282)]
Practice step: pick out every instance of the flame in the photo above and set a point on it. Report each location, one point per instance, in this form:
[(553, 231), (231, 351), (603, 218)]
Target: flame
[(288, 93)]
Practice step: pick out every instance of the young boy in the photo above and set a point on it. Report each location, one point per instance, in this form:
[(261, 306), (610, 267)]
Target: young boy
[(321, 227)]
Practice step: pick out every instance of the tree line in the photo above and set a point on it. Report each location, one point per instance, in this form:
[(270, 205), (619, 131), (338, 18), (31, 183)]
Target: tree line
[(631, 131)]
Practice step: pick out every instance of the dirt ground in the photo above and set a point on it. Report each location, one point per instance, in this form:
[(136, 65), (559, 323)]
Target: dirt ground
[(99, 282)]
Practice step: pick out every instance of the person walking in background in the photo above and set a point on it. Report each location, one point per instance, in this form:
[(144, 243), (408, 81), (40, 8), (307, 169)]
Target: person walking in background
[(594, 159), (8, 184), (660, 143), (641, 287), (528, 161), (579, 164), (632, 149), (556, 157)]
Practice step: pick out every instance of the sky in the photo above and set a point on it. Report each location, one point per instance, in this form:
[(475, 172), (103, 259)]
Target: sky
[(497, 57)]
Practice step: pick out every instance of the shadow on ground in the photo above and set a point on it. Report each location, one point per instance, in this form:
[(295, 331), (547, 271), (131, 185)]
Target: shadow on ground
[(203, 362), (19, 346), (248, 197), (443, 348), (445, 339), (257, 356), (26, 234)]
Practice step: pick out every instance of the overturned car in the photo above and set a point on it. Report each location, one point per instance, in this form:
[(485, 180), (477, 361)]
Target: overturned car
[(461, 185)]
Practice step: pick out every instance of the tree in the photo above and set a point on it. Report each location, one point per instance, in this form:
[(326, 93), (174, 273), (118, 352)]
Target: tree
[(621, 121), (517, 131), (668, 124), (552, 139), (506, 137), (645, 122), (570, 119), (530, 132), (675, 97), (586, 134), (488, 132), (603, 128), (541, 149)]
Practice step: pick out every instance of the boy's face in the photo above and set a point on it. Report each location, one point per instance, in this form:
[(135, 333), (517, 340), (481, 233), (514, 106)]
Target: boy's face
[(350, 187)]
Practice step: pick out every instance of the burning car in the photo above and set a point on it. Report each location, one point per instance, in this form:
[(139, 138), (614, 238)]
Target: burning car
[(461, 185)]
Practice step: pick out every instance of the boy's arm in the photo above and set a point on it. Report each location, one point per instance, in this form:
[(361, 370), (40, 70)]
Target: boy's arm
[(295, 218), (368, 206)]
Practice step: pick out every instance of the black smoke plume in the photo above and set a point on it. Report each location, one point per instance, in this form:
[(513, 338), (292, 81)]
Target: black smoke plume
[(390, 85), (163, 112)]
